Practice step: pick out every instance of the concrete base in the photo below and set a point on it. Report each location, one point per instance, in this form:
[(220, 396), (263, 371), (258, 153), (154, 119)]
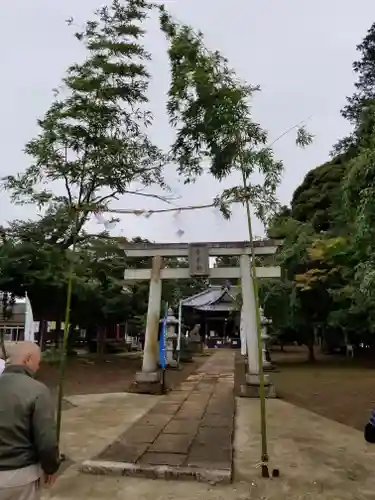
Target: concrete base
[(252, 387), (147, 383), (269, 367), (173, 365), (147, 377), (254, 379), (166, 472)]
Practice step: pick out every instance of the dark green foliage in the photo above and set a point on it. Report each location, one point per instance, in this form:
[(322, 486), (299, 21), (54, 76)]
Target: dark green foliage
[(206, 103), (365, 84), (319, 197), (364, 95), (338, 199), (210, 108), (92, 141)]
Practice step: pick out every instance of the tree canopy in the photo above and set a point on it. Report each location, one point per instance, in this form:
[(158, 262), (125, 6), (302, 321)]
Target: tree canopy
[(327, 255), (93, 146)]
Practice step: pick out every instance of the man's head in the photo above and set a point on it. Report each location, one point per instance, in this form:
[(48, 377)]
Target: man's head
[(25, 354)]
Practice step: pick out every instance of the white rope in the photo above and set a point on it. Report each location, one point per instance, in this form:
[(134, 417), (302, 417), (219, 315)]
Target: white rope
[(147, 212)]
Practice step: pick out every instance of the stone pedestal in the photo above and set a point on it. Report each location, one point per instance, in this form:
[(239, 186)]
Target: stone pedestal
[(269, 367), (171, 340), (147, 383), (195, 340), (185, 351), (196, 346), (266, 360), (171, 358), (251, 389)]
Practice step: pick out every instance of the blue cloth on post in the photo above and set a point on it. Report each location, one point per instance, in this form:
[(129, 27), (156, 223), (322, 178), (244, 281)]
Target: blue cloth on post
[(162, 346)]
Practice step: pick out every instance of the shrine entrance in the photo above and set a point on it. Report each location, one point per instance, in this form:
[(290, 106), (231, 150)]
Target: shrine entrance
[(217, 310), (199, 255)]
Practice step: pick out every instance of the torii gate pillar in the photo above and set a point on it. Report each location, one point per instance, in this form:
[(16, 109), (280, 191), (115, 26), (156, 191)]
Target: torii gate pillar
[(249, 324), (148, 379), (149, 371)]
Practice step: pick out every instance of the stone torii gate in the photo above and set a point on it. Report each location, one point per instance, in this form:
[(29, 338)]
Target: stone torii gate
[(198, 255)]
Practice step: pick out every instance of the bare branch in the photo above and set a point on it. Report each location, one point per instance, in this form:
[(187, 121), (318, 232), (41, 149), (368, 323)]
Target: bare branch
[(99, 201), (290, 129), (68, 190), (165, 199)]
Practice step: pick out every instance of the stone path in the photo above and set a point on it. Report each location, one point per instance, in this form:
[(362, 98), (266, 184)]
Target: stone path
[(188, 434), (317, 458)]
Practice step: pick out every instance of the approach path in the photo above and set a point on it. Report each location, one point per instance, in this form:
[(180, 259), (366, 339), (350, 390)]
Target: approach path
[(187, 434)]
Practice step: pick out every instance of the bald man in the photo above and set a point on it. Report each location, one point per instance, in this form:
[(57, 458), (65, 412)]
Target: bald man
[(28, 444)]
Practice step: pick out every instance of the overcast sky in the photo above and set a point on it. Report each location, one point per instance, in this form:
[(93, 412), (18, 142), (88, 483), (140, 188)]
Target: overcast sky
[(299, 52)]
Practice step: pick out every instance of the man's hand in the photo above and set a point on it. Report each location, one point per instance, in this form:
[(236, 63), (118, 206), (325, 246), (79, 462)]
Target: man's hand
[(49, 479)]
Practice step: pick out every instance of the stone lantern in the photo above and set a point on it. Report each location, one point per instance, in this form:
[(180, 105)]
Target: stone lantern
[(171, 338), (264, 322)]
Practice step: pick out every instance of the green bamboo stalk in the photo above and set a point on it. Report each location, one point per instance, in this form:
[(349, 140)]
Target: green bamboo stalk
[(2, 334), (262, 395), (64, 347)]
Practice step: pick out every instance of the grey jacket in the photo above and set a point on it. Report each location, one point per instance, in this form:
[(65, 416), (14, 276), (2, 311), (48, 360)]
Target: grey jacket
[(27, 424)]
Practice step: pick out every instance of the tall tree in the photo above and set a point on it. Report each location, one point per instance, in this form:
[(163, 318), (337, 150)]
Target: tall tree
[(318, 200), (7, 304), (360, 200), (364, 68), (92, 142), (210, 107), (364, 95)]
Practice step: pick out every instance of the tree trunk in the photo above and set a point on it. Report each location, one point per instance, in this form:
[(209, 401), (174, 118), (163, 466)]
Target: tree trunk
[(101, 342), (310, 347), (72, 337), (91, 338), (58, 333), (43, 325), (2, 342)]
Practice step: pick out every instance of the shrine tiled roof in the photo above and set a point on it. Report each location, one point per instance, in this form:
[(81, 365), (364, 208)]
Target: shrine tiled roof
[(215, 298)]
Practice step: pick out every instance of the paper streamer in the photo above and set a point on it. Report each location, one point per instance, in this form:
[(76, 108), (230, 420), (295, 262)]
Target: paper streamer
[(177, 221), (100, 219), (108, 224), (180, 233)]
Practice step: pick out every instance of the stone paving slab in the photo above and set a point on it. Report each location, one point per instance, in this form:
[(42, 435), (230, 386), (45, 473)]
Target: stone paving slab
[(318, 458), (172, 443), (188, 434)]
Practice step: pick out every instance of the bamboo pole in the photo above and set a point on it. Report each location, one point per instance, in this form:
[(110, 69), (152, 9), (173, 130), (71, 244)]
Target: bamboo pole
[(262, 396), (64, 347)]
